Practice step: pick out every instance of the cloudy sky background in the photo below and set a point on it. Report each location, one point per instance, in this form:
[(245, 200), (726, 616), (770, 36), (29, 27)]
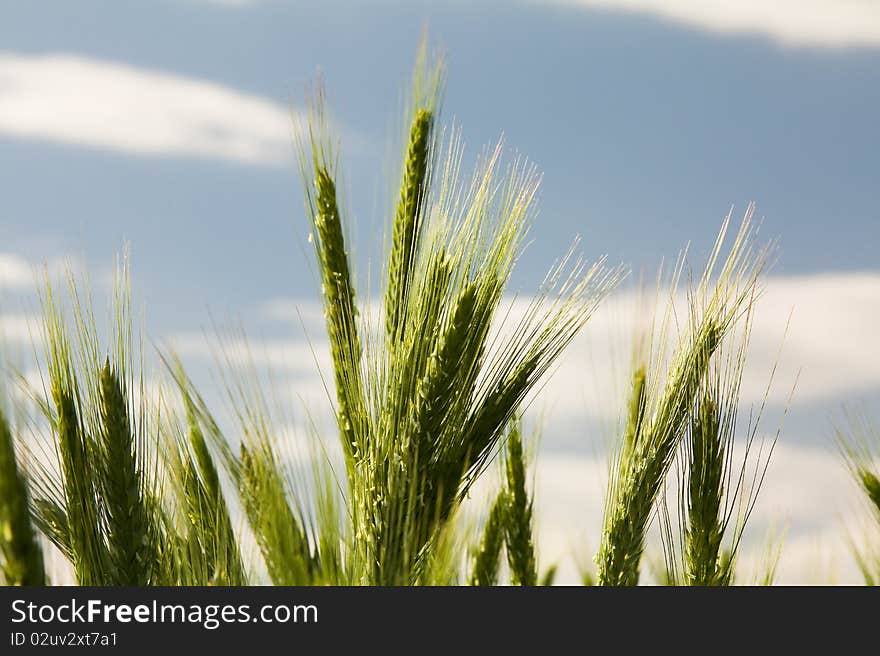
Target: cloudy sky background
[(169, 125)]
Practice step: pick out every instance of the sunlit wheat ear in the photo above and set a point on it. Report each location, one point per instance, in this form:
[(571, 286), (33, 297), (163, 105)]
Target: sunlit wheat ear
[(635, 414), (717, 301), (409, 217), (722, 483), (406, 230), (318, 169), (435, 391), (721, 468), (21, 557), (423, 405), (294, 517), (704, 499)]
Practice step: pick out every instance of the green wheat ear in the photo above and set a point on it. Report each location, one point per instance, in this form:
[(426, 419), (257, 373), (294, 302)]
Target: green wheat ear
[(91, 560), (718, 484), (131, 542), (716, 305), (518, 518), (211, 526), (636, 413), (337, 285), (407, 225), (407, 221), (486, 559), (21, 558), (280, 535), (705, 491), (642, 475)]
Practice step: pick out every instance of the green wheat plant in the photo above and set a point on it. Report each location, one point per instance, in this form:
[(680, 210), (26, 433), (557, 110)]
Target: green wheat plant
[(661, 404), (131, 477), (100, 465), (422, 409), (295, 519)]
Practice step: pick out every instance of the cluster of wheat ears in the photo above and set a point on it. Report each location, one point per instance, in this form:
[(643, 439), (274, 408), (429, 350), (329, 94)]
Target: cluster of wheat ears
[(134, 489)]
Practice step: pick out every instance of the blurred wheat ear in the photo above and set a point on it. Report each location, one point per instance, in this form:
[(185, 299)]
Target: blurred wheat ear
[(100, 502), (21, 556), (487, 555), (859, 442)]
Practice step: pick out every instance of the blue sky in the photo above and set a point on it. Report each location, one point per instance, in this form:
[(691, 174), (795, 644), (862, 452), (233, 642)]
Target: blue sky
[(167, 124)]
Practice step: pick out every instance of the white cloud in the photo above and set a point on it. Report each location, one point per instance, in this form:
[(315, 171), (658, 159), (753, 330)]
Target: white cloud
[(89, 102), (828, 349), (15, 272), (820, 328), (806, 506), (20, 328), (807, 502), (823, 23), (19, 274), (295, 357)]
